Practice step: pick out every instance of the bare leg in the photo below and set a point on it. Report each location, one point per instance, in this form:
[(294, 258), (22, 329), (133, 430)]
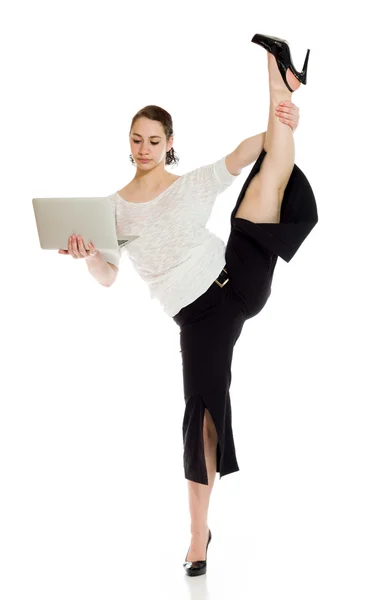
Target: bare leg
[(199, 494), (263, 198)]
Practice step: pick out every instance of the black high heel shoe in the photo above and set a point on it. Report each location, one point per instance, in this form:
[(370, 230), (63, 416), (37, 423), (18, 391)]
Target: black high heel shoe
[(281, 51), (198, 567)]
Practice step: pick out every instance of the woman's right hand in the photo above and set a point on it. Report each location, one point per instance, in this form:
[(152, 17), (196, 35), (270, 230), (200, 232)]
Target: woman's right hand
[(77, 250)]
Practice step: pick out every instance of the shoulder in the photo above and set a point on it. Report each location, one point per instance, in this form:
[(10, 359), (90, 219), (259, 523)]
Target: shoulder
[(127, 189), (215, 171)]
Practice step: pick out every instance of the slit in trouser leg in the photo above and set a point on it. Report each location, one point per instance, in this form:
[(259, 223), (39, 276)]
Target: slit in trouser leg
[(227, 462), (210, 438), (194, 459), (193, 441)]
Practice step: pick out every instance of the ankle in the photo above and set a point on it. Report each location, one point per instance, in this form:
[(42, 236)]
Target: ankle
[(279, 95), (199, 530)]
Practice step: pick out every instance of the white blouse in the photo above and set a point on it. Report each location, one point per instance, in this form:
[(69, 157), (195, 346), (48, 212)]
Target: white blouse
[(175, 254)]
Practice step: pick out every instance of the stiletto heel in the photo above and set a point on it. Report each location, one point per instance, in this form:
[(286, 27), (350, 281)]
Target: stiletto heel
[(197, 567), (281, 51)]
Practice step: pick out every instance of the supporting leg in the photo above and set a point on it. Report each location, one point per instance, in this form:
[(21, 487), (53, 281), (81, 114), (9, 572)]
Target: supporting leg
[(199, 494), (264, 195)]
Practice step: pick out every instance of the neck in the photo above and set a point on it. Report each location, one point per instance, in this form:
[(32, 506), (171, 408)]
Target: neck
[(150, 179)]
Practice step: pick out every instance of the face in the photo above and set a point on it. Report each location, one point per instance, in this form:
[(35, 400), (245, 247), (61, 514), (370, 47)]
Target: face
[(148, 141)]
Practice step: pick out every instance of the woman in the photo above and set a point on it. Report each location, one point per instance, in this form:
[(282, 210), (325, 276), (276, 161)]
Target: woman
[(210, 289)]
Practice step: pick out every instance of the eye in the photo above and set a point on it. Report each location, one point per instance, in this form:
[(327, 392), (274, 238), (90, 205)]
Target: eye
[(138, 141)]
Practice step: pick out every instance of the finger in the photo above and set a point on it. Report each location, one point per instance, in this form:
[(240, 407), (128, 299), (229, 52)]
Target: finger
[(288, 104), (283, 114), (295, 110), (287, 122), (74, 247), (285, 110), (63, 251), (285, 117), (92, 248), (81, 248), (290, 120)]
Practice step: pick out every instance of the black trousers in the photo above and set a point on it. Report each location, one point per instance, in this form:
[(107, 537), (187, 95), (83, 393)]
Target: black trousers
[(211, 325)]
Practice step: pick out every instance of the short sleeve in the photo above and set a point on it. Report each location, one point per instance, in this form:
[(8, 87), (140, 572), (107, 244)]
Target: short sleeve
[(222, 174), (214, 178)]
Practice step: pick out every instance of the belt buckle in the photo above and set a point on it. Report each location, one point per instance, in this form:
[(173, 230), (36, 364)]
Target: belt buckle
[(224, 282)]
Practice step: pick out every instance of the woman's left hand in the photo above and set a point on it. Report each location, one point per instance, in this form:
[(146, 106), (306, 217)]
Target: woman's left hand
[(289, 114)]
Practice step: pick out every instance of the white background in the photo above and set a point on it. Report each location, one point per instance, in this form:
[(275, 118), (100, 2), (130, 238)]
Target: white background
[(93, 499)]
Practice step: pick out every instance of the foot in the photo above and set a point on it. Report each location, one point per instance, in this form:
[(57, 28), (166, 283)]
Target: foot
[(276, 81), (197, 550)]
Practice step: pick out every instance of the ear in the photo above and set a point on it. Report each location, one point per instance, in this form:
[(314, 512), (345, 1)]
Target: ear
[(170, 144)]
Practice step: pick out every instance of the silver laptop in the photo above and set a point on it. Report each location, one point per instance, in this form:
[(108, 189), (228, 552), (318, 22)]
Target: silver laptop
[(91, 218)]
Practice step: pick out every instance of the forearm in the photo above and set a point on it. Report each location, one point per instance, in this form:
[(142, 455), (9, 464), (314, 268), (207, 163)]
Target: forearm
[(100, 269), (250, 149)]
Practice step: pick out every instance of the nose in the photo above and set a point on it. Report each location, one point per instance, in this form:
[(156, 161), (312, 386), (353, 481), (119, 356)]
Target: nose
[(142, 151)]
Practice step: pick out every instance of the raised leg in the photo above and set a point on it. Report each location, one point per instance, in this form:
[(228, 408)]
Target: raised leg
[(264, 195), (199, 494)]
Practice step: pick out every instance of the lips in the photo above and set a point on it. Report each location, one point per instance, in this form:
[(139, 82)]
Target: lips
[(144, 160)]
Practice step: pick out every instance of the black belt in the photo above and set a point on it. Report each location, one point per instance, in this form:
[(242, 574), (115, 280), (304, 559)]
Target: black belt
[(222, 278)]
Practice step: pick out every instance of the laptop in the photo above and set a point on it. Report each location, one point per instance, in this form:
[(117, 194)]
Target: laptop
[(92, 218)]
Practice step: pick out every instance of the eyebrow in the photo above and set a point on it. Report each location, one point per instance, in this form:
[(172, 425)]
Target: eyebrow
[(151, 136)]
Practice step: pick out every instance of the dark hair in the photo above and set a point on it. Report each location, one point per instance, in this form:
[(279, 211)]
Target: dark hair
[(156, 113)]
